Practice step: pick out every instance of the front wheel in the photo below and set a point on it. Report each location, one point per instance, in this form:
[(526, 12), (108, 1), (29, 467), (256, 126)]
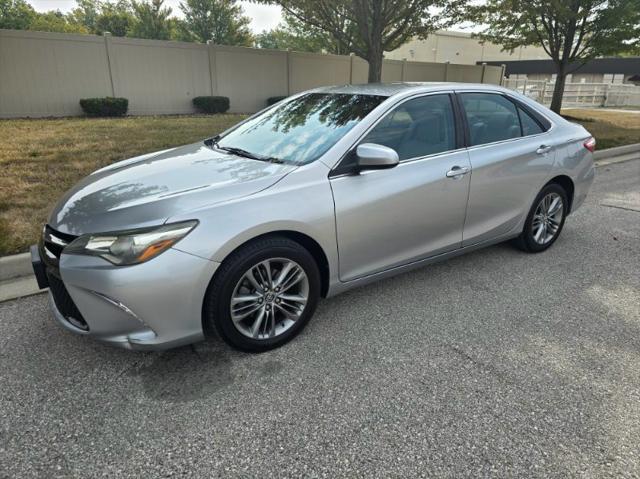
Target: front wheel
[(263, 294), (545, 219)]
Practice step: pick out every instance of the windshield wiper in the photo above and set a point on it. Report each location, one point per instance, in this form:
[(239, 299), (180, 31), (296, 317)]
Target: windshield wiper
[(240, 152), (248, 154), (213, 143)]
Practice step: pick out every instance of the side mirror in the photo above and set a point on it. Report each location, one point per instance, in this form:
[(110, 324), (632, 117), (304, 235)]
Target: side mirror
[(376, 157)]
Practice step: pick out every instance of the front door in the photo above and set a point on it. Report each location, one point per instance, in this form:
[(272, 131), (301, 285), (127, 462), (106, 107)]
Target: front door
[(387, 218)]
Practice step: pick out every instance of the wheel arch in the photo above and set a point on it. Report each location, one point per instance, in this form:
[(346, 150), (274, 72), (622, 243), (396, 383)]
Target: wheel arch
[(304, 240), (567, 184)]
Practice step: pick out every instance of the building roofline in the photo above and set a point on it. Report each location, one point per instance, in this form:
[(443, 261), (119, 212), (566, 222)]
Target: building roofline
[(624, 65)]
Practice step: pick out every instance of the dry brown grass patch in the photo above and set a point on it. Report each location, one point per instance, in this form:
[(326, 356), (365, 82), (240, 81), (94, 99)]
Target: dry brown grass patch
[(41, 159), (610, 128)]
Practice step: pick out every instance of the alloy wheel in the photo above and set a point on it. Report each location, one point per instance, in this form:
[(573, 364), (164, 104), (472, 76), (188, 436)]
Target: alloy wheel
[(547, 218), (269, 298)]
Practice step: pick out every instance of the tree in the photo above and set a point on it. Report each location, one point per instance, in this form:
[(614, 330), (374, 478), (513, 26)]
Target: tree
[(180, 31), (115, 18), (152, 20), (19, 15), (293, 34), (55, 21), (221, 21), (377, 25), (16, 14), (85, 14), (571, 32)]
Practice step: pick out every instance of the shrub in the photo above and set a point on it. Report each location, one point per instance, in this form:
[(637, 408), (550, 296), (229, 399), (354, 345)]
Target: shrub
[(211, 104), (274, 99), (107, 106)]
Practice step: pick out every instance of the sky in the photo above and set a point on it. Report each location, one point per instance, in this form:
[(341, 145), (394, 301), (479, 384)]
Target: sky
[(263, 17)]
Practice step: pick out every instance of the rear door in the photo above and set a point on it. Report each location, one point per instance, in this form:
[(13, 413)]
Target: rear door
[(511, 154), (387, 218)]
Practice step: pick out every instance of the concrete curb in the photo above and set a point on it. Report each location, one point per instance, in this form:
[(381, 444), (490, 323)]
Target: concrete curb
[(19, 287), (17, 279), (617, 151), (15, 266)]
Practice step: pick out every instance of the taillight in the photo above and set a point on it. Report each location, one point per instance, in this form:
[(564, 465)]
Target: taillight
[(590, 144)]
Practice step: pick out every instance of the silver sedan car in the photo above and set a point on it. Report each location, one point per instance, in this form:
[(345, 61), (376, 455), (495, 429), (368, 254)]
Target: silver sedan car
[(241, 234)]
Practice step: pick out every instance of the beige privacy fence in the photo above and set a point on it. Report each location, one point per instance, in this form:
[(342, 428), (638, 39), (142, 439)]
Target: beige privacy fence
[(46, 74)]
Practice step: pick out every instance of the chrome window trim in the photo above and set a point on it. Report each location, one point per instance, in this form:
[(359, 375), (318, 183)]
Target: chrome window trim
[(508, 140), (514, 98)]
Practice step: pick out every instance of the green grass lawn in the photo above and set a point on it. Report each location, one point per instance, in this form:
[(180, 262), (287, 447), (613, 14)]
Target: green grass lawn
[(610, 128), (41, 159)]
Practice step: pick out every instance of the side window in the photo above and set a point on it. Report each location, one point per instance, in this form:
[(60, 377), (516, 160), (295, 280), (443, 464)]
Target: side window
[(529, 125), (491, 117), (419, 127)]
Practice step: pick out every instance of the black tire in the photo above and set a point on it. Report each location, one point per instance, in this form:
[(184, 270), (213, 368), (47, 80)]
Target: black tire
[(217, 311), (526, 241)]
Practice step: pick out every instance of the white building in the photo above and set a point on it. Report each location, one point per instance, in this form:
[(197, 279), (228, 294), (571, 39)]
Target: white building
[(458, 47)]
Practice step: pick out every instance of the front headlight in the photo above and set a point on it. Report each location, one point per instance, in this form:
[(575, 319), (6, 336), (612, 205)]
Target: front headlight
[(132, 246)]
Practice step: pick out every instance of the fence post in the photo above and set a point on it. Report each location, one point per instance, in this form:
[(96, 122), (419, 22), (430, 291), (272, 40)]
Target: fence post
[(351, 55), (504, 70), (484, 69), (446, 71), (288, 71), (524, 87), (605, 99), (544, 92), (403, 76), (109, 49), (211, 53)]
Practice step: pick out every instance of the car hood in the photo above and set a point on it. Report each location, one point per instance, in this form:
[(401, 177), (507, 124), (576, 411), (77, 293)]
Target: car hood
[(149, 189)]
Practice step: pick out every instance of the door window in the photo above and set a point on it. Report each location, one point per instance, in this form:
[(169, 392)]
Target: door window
[(490, 117), (416, 128)]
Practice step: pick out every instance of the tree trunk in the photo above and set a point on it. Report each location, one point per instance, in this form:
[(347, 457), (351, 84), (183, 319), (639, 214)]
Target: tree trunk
[(375, 65), (558, 89)]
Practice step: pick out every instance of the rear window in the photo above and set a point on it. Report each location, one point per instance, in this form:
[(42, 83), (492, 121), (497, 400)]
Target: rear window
[(490, 117), (530, 126)]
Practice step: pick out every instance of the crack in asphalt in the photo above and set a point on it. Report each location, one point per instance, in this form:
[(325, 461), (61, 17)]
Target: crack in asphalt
[(620, 207)]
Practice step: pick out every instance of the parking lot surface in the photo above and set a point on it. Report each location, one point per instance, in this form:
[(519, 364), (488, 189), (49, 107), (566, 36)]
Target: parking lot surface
[(495, 363)]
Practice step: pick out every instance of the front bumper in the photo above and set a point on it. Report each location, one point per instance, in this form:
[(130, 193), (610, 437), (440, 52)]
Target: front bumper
[(150, 306)]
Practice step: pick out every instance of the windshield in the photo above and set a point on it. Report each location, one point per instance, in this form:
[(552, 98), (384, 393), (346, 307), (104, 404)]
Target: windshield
[(301, 130)]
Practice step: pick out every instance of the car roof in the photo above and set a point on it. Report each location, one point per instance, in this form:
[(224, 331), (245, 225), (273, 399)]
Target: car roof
[(394, 88)]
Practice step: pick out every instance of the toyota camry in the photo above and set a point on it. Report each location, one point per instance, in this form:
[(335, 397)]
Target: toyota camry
[(241, 234)]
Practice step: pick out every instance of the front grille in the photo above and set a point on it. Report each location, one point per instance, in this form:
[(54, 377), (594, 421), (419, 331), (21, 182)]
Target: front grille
[(53, 242), (64, 303)]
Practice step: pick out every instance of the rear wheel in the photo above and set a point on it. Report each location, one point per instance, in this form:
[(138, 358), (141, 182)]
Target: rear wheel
[(545, 219), (263, 294)]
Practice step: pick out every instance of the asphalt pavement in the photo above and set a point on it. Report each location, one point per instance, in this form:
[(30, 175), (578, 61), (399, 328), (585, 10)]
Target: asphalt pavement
[(497, 363)]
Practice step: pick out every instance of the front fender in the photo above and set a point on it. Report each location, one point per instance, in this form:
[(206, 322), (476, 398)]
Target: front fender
[(302, 202)]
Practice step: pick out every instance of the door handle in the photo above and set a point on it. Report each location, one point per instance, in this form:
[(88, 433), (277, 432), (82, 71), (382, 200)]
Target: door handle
[(457, 172), (543, 149)]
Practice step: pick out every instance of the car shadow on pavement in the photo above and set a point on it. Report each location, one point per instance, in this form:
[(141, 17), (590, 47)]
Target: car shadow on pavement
[(197, 371)]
